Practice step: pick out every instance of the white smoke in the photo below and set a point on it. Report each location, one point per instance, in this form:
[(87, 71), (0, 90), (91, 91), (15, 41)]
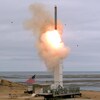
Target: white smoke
[(40, 23)]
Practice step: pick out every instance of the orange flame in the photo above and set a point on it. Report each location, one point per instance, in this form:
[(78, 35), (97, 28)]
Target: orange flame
[(53, 39)]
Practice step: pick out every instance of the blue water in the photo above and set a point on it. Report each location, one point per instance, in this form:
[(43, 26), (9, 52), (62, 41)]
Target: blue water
[(86, 80)]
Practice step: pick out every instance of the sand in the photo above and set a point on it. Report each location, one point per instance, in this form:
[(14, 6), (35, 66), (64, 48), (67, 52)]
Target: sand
[(16, 92)]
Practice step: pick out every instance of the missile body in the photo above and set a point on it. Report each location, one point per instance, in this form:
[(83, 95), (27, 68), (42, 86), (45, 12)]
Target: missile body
[(55, 17)]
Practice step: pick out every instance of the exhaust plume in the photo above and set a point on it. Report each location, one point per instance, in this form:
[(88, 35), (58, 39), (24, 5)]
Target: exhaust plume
[(48, 40)]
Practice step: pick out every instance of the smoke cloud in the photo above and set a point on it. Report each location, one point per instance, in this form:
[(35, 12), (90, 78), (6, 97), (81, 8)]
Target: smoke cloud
[(40, 24)]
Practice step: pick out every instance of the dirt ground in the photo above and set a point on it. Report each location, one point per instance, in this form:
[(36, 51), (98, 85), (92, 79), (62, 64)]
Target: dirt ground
[(17, 93)]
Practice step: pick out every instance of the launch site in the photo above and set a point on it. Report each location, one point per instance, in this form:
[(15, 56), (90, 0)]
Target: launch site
[(49, 50)]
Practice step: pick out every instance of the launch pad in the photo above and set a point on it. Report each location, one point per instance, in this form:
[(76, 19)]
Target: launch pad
[(60, 92)]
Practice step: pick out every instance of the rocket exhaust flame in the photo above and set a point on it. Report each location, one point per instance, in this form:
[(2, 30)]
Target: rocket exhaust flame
[(49, 42), (53, 39)]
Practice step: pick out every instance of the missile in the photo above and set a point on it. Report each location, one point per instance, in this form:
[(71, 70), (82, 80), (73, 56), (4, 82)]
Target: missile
[(55, 17)]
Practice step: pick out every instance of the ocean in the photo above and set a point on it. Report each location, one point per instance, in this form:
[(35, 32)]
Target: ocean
[(86, 80)]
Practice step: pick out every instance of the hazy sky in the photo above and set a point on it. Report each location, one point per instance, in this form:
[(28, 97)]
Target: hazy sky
[(81, 21)]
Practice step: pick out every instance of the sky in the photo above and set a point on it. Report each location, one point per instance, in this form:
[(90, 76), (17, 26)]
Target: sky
[(81, 33)]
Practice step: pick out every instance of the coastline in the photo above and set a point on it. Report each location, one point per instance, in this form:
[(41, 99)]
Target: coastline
[(85, 80)]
